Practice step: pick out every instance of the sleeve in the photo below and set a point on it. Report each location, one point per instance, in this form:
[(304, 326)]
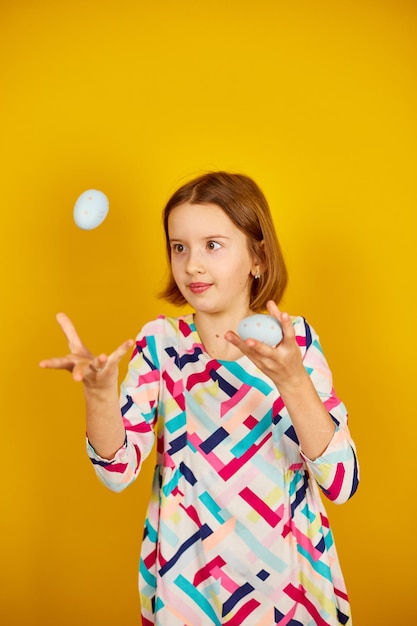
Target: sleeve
[(138, 403), (336, 470)]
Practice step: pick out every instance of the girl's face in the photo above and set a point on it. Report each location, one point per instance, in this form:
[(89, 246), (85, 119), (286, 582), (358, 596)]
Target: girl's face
[(210, 259)]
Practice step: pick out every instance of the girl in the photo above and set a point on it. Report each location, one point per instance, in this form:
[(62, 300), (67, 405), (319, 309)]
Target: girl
[(236, 532)]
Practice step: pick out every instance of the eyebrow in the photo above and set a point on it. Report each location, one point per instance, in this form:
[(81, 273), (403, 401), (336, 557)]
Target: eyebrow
[(209, 238)]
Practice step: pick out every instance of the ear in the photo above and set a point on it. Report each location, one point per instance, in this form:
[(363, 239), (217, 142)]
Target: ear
[(259, 262)]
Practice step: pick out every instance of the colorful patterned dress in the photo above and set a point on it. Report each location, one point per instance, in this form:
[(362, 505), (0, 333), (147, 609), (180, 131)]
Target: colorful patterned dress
[(236, 532)]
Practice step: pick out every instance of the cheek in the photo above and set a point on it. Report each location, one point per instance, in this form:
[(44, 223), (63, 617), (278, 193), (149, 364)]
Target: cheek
[(176, 268), (243, 270), (245, 281), (238, 277)]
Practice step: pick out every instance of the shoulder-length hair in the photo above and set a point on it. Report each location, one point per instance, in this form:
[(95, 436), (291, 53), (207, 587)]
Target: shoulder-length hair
[(245, 204)]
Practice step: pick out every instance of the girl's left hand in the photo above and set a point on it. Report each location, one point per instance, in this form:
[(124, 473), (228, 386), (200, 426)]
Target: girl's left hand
[(283, 363)]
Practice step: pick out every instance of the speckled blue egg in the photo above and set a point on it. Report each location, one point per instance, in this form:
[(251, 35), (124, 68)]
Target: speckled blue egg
[(261, 327), (91, 209)]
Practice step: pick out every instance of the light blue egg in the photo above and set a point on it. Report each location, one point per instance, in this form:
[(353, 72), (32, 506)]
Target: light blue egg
[(91, 209), (261, 327)]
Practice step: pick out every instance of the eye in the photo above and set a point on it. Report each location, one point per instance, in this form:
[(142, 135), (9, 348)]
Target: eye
[(213, 245), (177, 247)]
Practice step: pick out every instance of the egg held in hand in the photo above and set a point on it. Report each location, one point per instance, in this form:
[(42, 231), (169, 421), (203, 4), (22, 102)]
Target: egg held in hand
[(261, 327)]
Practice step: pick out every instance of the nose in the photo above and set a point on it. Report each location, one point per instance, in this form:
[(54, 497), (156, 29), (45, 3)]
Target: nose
[(195, 263)]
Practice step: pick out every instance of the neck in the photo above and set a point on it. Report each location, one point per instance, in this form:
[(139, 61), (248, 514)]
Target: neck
[(211, 329)]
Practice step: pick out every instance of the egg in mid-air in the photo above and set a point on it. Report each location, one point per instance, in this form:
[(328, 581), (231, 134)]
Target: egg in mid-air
[(90, 209)]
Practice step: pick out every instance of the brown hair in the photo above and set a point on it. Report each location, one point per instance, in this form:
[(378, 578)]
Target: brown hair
[(245, 204)]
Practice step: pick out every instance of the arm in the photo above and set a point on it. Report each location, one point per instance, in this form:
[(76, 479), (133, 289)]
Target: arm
[(284, 366), (336, 470), (115, 455), (99, 376), (137, 404), (120, 432), (304, 381)]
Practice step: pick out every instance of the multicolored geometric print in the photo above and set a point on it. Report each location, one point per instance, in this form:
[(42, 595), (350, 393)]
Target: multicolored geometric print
[(236, 532)]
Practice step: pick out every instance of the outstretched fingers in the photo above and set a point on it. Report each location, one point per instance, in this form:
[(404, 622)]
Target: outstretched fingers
[(284, 319), (58, 363), (122, 350), (102, 363), (83, 365), (99, 368), (75, 344)]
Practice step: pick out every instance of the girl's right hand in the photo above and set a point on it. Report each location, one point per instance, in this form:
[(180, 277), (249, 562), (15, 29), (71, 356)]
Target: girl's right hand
[(99, 372)]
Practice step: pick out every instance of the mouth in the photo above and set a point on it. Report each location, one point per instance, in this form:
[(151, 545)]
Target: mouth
[(199, 287)]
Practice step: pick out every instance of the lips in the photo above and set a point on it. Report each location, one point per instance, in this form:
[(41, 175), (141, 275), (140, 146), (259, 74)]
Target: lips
[(199, 287)]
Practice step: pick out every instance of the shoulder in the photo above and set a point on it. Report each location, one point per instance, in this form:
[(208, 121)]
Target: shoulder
[(166, 326), (304, 332), (158, 339)]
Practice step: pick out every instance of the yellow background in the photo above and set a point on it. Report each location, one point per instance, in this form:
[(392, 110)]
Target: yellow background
[(316, 100)]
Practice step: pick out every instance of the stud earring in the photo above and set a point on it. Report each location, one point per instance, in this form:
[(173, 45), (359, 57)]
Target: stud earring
[(257, 275)]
